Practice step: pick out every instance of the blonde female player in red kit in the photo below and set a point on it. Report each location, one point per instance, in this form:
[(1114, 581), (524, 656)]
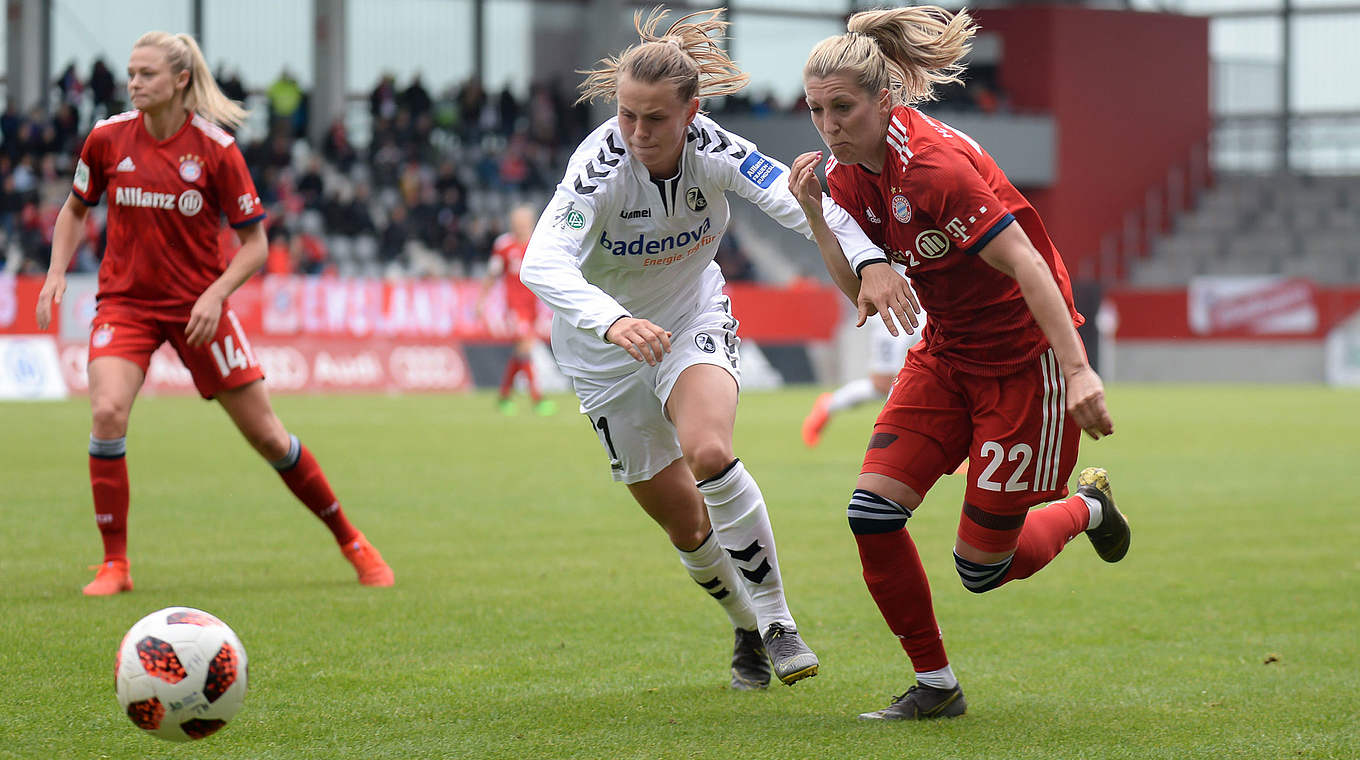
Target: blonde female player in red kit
[(1000, 376), (170, 173)]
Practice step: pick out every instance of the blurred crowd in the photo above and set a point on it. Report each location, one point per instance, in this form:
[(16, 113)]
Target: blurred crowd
[(423, 192)]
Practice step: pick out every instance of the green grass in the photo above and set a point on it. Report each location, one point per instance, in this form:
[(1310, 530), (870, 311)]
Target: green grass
[(539, 614)]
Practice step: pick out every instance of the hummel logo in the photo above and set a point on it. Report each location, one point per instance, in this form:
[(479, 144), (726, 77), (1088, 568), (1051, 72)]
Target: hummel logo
[(126, 165)]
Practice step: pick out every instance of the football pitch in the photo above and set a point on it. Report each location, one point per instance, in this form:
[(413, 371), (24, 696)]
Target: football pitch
[(538, 613)]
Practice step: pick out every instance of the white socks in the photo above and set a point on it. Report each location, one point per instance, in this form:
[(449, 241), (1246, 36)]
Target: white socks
[(939, 679), (853, 393), (737, 511), (711, 568), (1096, 513)]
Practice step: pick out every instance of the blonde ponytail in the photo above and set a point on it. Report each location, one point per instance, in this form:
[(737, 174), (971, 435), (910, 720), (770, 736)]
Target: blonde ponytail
[(202, 95), (687, 55), (905, 50)]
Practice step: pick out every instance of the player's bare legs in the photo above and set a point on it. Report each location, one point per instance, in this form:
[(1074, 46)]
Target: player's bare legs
[(249, 408), (114, 383), (703, 407), (671, 499)]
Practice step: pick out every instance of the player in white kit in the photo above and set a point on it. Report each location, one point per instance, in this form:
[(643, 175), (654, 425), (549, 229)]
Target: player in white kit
[(624, 257)]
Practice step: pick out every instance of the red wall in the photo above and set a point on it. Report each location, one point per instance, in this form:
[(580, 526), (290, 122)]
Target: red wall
[(1130, 95)]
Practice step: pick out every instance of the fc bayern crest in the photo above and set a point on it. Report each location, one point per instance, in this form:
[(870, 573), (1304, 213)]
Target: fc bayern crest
[(189, 169), (102, 336), (901, 208)]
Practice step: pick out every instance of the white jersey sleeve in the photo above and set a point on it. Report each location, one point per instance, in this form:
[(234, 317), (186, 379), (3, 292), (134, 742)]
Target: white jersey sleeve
[(552, 261), (764, 181)]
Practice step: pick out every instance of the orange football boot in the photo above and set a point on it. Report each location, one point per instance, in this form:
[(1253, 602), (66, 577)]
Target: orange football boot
[(816, 420), (113, 578), (368, 563)]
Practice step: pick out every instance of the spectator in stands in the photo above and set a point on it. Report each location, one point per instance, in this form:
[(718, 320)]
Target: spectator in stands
[(509, 111), (382, 102), (282, 257), (395, 235), (288, 103), (72, 89), (415, 98), (66, 126), (10, 121), (230, 82), (471, 100), (104, 90), (337, 149), (310, 184)]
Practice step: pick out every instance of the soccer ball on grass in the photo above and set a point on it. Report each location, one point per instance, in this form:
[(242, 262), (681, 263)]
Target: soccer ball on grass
[(180, 674)]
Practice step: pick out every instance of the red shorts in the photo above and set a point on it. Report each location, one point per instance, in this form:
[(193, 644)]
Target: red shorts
[(134, 333), (1014, 430), (522, 320)]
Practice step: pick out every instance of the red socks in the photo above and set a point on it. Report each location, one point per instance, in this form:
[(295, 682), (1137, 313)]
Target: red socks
[(897, 582), (1045, 534), (109, 485), (307, 482)]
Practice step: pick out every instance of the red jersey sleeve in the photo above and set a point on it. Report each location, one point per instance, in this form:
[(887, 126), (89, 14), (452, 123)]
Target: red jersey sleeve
[(90, 180), (950, 189), (236, 190)]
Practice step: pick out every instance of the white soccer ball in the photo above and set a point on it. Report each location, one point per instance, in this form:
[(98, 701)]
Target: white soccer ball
[(180, 674)]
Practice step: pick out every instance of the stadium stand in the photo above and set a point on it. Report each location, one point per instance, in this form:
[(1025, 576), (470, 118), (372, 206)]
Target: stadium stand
[(1260, 224)]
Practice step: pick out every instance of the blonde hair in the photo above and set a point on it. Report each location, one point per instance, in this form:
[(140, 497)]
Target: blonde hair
[(905, 50), (687, 55), (202, 95)]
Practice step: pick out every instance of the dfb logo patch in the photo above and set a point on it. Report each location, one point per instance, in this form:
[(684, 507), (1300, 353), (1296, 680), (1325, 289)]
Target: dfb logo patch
[(705, 343)]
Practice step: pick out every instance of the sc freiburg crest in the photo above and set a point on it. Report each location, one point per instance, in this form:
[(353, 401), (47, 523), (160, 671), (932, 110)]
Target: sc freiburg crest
[(694, 198)]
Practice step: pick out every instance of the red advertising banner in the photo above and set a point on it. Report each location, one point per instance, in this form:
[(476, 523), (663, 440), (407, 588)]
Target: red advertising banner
[(19, 304), (1280, 309), (312, 364), (440, 310)]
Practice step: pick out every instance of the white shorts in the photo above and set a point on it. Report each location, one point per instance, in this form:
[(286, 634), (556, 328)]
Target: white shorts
[(886, 353), (628, 412)]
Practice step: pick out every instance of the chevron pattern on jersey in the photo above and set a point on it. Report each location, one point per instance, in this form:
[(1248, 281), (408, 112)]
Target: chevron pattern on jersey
[(716, 142), (585, 183)]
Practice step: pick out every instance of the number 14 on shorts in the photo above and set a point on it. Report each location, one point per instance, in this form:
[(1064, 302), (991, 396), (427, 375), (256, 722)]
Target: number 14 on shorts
[(229, 356)]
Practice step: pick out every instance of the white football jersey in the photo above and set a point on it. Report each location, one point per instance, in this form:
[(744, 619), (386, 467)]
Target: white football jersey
[(614, 242)]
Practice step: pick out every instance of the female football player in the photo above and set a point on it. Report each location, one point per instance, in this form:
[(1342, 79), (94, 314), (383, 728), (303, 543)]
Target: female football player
[(624, 257), (1001, 377), (507, 253), (170, 172)]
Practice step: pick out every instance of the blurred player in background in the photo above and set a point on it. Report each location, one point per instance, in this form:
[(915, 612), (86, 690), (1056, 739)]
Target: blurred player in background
[(624, 257), (171, 172), (1000, 377), (887, 352), (521, 307)]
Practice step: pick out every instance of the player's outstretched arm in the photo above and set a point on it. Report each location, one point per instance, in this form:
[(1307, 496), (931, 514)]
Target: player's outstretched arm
[(878, 289), (1012, 253), (808, 192)]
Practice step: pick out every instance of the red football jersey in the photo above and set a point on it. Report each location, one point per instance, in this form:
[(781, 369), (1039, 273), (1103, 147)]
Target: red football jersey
[(510, 254), (938, 202), (166, 201)]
